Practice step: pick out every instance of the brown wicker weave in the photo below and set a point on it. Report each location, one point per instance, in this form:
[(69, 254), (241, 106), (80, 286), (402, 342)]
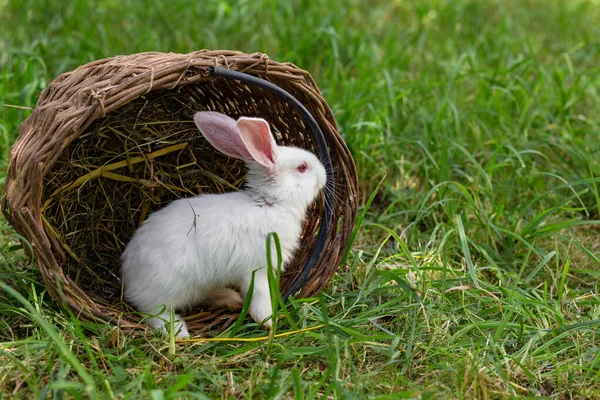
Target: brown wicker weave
[(114, 140)]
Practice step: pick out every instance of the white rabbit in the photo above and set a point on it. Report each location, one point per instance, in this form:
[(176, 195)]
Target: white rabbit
[(190, 251)]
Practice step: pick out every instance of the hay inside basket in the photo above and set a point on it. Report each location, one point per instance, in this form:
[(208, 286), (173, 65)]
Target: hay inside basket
[(118, 164)]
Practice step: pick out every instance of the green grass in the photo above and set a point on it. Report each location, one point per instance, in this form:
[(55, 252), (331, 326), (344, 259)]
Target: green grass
[(474, 273)]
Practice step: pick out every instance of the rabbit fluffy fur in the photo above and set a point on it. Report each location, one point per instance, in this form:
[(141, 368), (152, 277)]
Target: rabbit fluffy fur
[(192, 250)]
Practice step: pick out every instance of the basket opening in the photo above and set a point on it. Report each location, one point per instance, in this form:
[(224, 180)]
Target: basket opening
[(139, 158)]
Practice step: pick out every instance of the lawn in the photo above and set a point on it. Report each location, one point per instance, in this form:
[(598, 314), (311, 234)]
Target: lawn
[(475, 128)]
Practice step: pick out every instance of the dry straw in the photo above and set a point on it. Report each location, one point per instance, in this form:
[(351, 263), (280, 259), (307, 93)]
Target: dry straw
[(114, 140)]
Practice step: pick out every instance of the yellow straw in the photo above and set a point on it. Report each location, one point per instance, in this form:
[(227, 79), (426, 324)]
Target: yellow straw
[(120, 164), (255, 339)]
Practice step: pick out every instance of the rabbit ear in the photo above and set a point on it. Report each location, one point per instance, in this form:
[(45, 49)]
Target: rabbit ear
[(221, 131), (259, 142)]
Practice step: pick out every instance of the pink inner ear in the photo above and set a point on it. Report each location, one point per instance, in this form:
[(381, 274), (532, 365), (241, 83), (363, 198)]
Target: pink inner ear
[(221, 131), (257, 136)]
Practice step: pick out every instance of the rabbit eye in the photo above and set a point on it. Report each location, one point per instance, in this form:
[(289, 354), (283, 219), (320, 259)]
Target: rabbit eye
[(302, 167)]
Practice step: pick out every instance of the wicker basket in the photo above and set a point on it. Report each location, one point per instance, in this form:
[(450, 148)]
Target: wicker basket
[(114, 140)]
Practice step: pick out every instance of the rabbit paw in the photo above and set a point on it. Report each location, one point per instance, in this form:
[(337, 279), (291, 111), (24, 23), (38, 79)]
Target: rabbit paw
[(161, 323)]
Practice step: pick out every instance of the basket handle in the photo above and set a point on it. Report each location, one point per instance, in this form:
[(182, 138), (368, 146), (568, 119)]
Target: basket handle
[(324, 156)]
